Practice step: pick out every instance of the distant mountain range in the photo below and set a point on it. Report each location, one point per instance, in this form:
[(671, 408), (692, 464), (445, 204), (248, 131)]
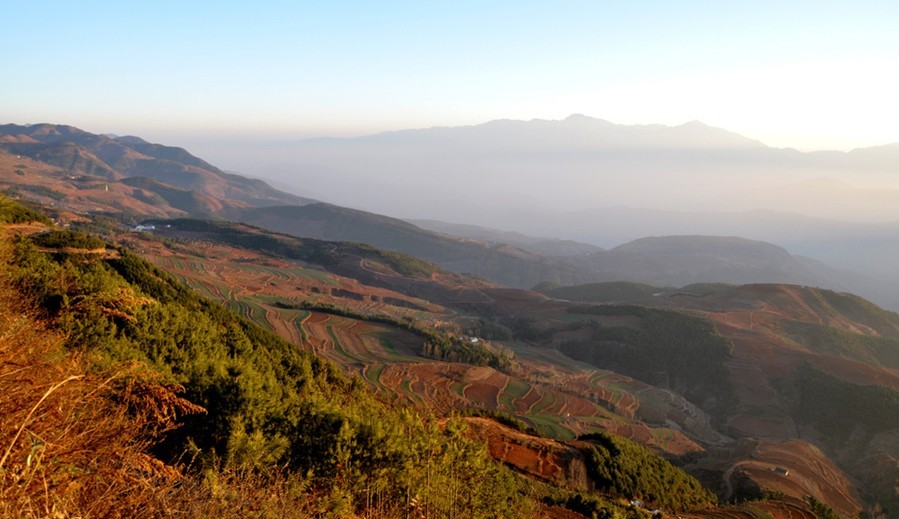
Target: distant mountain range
[(865, 252), (604, 184), (510, 174), (77, 171)]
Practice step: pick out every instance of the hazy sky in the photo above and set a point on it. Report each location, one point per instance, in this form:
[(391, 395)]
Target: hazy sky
[(807, 74)]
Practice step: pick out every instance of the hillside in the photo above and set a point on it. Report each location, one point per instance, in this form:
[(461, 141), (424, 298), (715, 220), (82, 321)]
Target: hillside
[(609, 292), (794, 349), (860, 254), (265, 403), (666, 261), (75, 172), (684, 260), (260, 402), (546, 389), (815, 365), (604, 184), (422, 337), (73, 167), (498, 262), (540, 246)]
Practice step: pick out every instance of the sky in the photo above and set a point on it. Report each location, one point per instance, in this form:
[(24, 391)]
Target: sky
[(803, 74)]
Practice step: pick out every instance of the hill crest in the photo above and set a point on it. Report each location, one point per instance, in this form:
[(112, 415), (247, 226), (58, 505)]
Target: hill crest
[(79, 153)]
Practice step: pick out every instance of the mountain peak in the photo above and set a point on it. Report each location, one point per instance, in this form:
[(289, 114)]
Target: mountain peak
[(700, 244), (579, 117), (130, 139)]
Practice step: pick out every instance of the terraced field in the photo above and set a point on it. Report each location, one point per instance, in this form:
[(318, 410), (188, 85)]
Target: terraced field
[(786, 508), (574, 399), (228, 274), (560, 397), (351, 342), (558, 412), (761, 321)]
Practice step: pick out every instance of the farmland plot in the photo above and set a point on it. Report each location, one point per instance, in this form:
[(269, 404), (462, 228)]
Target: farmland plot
[(576, 400)]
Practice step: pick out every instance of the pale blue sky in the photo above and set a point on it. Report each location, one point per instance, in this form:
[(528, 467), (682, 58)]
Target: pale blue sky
[(810, 74)]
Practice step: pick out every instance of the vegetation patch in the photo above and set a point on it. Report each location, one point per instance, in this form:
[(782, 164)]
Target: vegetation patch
[(305, 249), (666, 348), (437, 344), (503, 418), (600, 292), (68, 240), (13, 212), (880, 351), (625, 468), (839, 407), (549, 425), (821, 510), (37, 190), (268, 404)]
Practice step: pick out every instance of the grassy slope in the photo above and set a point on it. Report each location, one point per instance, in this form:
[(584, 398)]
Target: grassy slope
[(268, 404)]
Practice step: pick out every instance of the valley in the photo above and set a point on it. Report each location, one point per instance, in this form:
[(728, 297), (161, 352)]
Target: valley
[(563, 398), (766, 393)]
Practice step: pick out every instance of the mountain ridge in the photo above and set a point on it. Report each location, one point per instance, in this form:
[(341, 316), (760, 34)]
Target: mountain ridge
[(602, 133), (78, 151), (131, 176), (528, 176)]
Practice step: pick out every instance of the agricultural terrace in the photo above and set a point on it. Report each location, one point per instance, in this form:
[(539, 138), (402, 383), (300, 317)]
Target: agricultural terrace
[(388, 358)]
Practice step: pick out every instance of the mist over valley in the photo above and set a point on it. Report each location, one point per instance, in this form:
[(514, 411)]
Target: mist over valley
[(602, 184)]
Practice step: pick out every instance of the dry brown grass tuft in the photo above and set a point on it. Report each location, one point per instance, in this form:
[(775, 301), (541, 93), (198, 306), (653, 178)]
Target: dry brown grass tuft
[(73, 443)]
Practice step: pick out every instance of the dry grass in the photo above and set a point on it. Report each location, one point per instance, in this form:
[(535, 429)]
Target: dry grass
[(73, 443)]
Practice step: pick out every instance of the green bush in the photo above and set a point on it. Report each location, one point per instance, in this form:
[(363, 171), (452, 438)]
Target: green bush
[(68, 239), (14, 212), (821, 510), (625, 468), (839, 407)]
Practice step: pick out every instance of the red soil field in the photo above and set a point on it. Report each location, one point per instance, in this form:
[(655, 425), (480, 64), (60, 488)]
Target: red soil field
[(544, 459)]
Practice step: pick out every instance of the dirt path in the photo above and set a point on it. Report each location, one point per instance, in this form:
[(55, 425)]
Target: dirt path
[(728, 474)]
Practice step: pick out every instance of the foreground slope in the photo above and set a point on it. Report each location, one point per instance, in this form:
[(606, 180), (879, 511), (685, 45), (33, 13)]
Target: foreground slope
[(268, 403)]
